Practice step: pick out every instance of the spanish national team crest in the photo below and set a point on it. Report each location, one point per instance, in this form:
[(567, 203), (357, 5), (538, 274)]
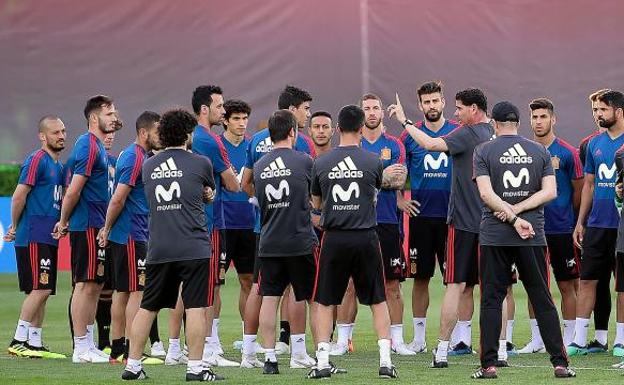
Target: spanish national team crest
[(100, 269), (555, 162), (44, 278), (142, 279), (386, 153)]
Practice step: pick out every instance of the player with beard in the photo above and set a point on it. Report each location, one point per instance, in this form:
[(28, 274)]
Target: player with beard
[(430, 185), (82, 213), (35, 208), (596, 227)]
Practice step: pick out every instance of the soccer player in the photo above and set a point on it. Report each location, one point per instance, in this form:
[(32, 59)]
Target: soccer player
[(345, 183), (126, 231), (559, 221), (430, 185), (515, 179), (82, 213), (321, 132), (464, 216), (207, 104), (175, 183), (597, 223), (35, 208), (297, 101), (287, 240), (618, 344), (392, 155)]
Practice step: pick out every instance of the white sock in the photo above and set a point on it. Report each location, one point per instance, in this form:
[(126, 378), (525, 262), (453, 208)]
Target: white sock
[(174, 346), (502, 350), (509, 331), (34, 337), (466, 333), (343, 334), (384, 352), (208, 346), (81, 344), (297, 344), (134, 366), (21, 331), (322, 355), (193, 366), (568, 331), (619, 333), (90, 335), (601, 336), (420, 326), (456, 334), (351, 327), (580, 330), (269, 355), (442, 351), (536, 337), (396, 335), (215, 331), (249, 344)]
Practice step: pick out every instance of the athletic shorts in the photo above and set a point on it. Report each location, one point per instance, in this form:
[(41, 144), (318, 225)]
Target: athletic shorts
[(391, 251), (277, 273), (350, 254), (619, 273), (427, 243), (217, 259), (240, 248), (36, 267), (564, 257), (88, 259), (462, 257), (598, 255), (128, 265), (163, 281)]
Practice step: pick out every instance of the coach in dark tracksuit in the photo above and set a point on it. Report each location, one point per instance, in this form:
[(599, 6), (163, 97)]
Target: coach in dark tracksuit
[(515, 179)]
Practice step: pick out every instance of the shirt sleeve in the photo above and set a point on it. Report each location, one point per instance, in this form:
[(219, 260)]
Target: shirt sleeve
[(85, 155), (31, 170), (457, 140), (249, 162), (573, 165), (129, 170), (398, 155), (590, 165), (583, 152), (479, 163), (212, 148), (547, 167)]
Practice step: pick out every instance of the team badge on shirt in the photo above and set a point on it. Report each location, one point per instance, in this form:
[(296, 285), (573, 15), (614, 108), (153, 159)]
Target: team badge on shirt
[(385, 154)]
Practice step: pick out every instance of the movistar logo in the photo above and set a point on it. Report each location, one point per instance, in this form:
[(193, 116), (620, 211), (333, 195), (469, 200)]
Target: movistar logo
[(509, 179), (605, 172), (167, 169), (432, 163), (163, 194), (515, 155), (272, 193), (345, 169), (345, 195)]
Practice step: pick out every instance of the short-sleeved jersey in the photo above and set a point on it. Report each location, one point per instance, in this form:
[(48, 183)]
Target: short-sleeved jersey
[(261, 144), (516, 166), (174, 183), (347, 179), (209, 145), (232, 210), (583, 146), (429, 172), (559, 213), (90, 159), (282, 181), (132, 220), (619, 164), (391, 151), (464, 211), (44, 175), (600, 161)]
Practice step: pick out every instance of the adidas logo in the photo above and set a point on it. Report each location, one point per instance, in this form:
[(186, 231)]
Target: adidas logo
[(516, 155), (275, 169), (345, 169), (265, 145), (167, 169)]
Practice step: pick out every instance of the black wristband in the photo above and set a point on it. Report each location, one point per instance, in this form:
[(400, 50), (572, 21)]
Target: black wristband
[(513, 220), (406, 122)]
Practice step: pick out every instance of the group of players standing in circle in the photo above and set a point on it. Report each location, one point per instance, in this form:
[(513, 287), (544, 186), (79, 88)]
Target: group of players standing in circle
[(320, 227)]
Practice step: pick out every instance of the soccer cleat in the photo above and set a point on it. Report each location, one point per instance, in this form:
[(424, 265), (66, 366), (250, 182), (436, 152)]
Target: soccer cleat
[(336, 370), (437, 364), (575, 350), (460, 349), (175, 359), (217, 360), (89, 356), (619, 365), (281, 348), (19, 348), (484, 373), (403, 350), (618, 350), (596, 347), (217, 348), (388, 372), (158, 350), (501, 364), (130, 375), (319, 374), (301, 361), (204, 376), (530, 349), (148, 360), (511, 349), (338, 349), (417, 348), (100, 353), (564, 372), (270, 368), (250, 362)]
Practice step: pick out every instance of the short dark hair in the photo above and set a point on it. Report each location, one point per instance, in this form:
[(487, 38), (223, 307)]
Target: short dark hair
[(321, 113), (292, 96), (370, 96), (281, 123), (429, 88), (202, 96), (95, 103), (174, 127), (350, 118), (44, 120), (146, 120), (471, 96), (613, 99), (594, 95), (235, 106), (542, 103)]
